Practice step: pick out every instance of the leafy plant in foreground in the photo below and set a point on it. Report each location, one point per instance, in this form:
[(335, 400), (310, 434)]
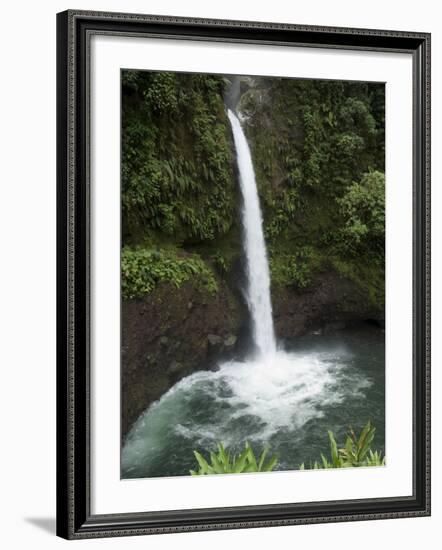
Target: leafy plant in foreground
[(356, 451), (374, 459), (223, 462)]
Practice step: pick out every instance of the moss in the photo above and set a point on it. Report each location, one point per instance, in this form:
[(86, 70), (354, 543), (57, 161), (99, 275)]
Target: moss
[(292, 269), (222, 254), (368, 276)]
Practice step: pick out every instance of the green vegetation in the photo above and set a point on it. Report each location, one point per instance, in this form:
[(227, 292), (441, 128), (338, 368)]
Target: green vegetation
[(288, 269), (143, 268), (363, 211), (356, 451), (223, 462), (318, 149), (177, 175)]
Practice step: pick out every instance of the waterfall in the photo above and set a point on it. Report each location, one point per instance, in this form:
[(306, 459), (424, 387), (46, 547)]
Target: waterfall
[(258, 276)]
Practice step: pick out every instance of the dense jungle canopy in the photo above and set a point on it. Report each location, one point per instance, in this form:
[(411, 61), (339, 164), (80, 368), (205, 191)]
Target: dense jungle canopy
[(318, 150)]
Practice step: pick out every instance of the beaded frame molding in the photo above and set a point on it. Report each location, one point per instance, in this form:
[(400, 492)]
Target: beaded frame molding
[(74, 517)]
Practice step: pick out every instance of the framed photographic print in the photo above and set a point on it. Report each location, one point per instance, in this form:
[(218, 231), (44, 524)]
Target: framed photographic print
[(243, 274)]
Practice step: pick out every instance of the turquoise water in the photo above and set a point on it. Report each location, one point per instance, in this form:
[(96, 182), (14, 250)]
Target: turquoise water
[(289, 401)]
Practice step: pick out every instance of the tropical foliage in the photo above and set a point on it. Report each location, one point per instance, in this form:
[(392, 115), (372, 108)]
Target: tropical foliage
[(177, 176), (319, 157), (224, 462), (143, 268), (355, 452), (363, 211), (318, 151)]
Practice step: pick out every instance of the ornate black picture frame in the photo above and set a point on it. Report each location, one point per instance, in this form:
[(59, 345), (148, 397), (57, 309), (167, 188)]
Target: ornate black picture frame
[(74, 518)]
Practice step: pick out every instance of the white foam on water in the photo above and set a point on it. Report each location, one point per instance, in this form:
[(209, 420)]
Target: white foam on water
[(248, 401)]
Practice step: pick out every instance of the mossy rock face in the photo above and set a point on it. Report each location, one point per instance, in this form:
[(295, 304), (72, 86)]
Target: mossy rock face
[(318, 152), (330, 301)]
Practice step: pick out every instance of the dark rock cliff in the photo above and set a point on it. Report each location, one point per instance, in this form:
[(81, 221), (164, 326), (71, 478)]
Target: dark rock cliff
[(169, 334)]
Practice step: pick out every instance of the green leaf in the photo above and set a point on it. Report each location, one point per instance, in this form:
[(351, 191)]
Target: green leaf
[(222, 462), (262, 458), (202, 462), (325, 463), (333, 450), (216, 464), (251, 457), (270, 464)]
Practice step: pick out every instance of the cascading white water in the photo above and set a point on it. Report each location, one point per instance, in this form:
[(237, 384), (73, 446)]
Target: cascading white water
[(258, 277)]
